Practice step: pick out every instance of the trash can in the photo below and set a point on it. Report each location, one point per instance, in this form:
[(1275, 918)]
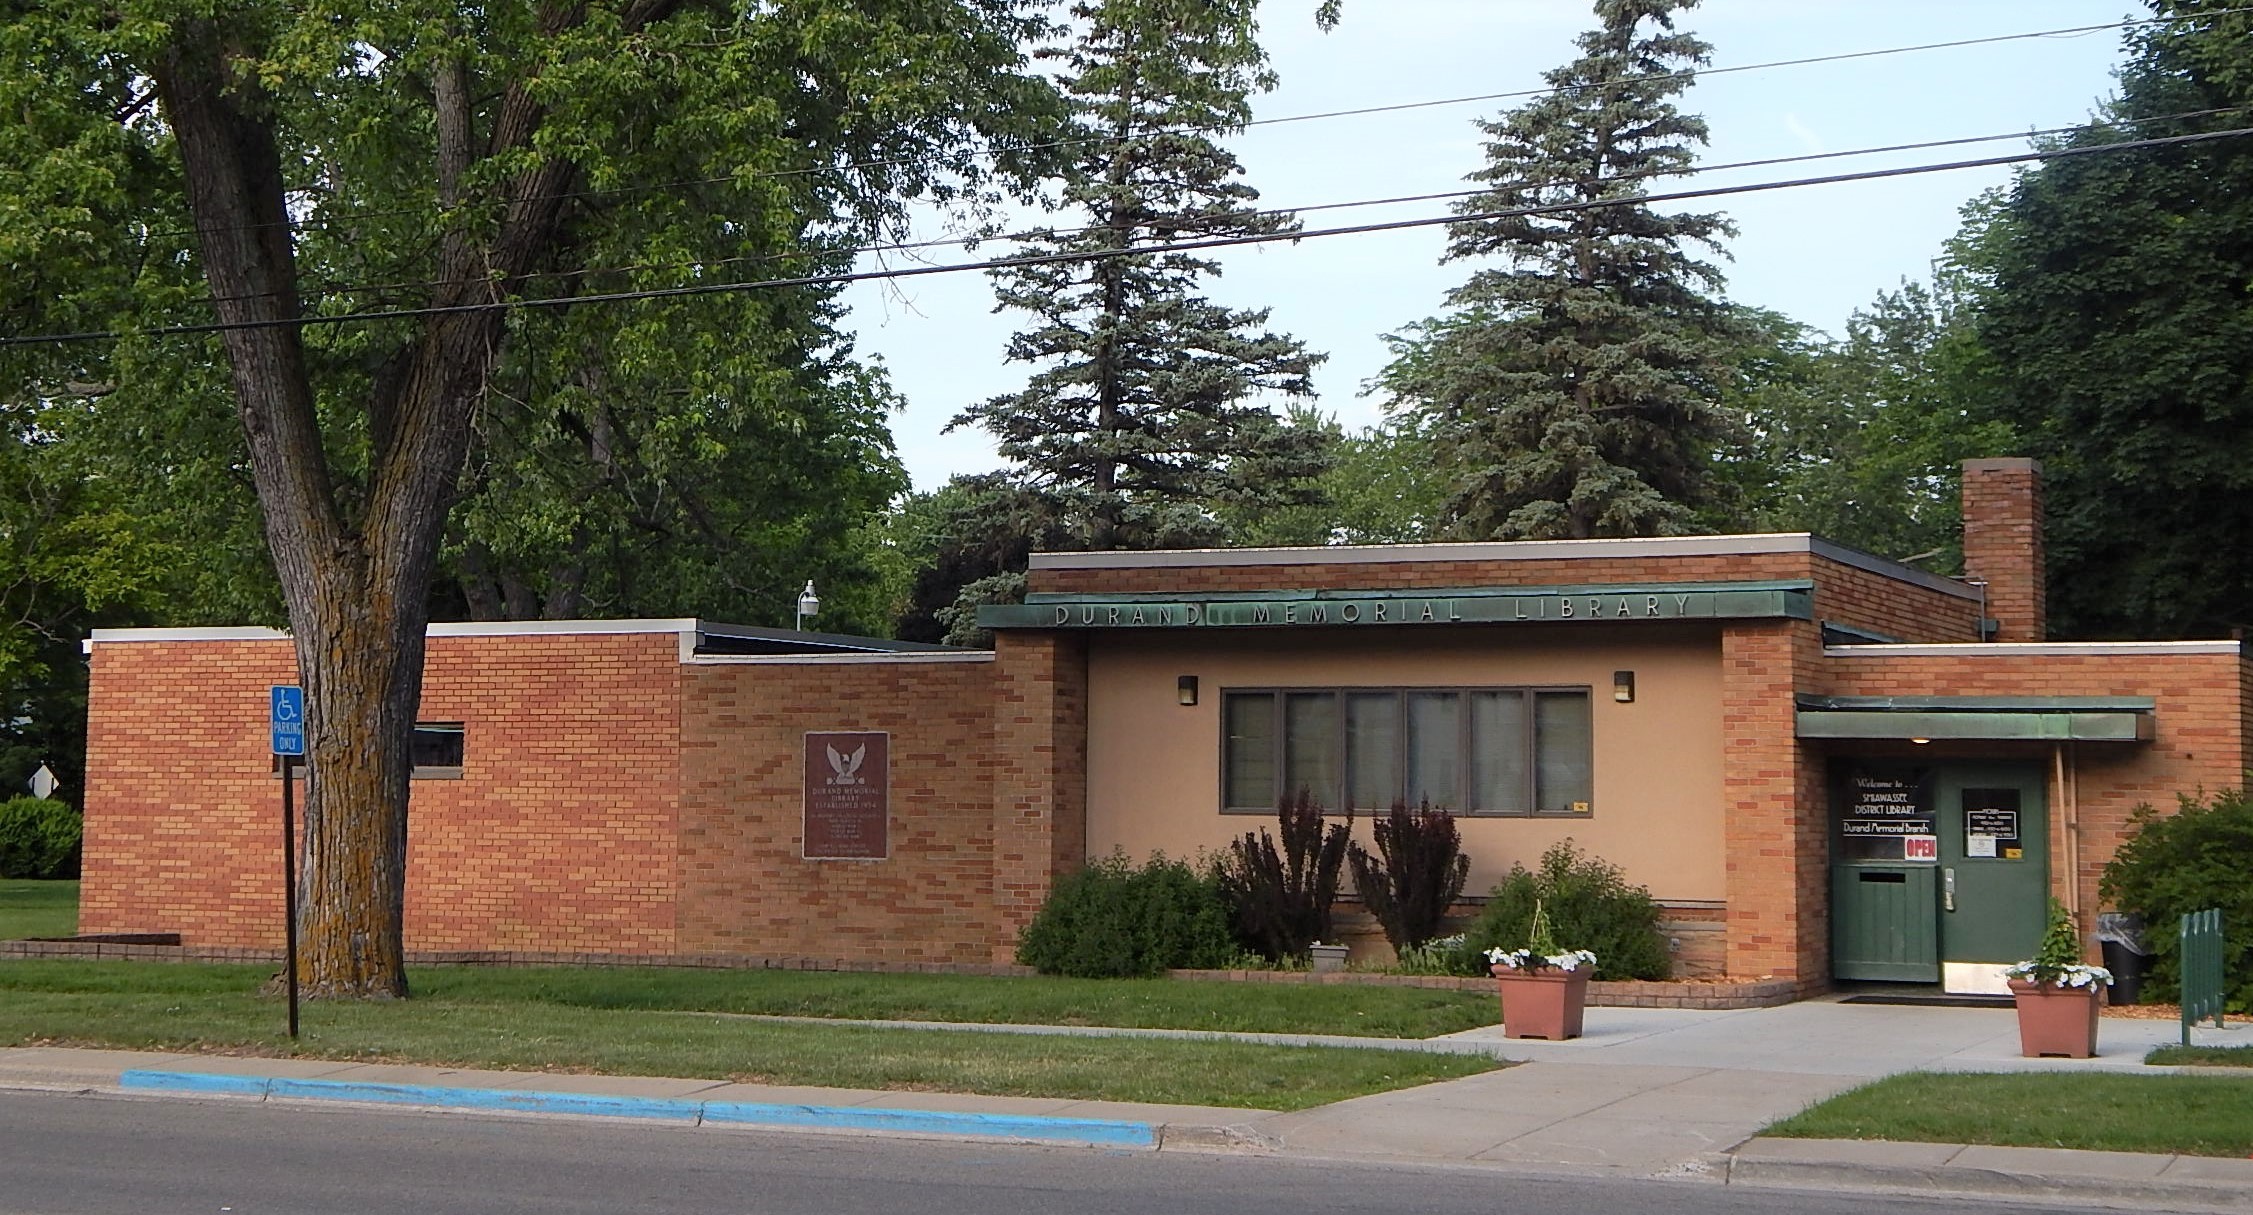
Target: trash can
[(2120, 936)]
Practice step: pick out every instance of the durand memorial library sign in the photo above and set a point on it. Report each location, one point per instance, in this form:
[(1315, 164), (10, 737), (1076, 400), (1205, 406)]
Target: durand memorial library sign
[(1468, 605)]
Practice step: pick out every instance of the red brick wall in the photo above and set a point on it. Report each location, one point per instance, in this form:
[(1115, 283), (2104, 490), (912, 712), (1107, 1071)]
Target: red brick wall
[(2198, 743), (2003, 544), (1772, 791), (745, 886), (1039, 774), (559, 837)]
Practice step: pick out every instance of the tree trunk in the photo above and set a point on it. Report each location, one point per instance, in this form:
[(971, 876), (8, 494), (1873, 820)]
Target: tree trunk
[(357, 588)]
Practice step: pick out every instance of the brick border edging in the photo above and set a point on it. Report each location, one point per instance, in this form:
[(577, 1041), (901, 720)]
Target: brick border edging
[(1762, 993), (1632, 993)]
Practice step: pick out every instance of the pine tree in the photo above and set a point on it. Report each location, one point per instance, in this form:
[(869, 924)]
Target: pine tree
[(1574, 393), (1143, 420)]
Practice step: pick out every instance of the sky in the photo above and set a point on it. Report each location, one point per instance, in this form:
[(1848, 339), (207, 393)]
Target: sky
[(1815, 254)]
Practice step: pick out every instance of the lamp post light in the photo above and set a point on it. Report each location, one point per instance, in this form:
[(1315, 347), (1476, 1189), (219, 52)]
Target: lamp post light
[(809, 604)]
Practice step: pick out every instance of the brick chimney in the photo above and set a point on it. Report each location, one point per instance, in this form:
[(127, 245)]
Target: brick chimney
[(2003, 544)]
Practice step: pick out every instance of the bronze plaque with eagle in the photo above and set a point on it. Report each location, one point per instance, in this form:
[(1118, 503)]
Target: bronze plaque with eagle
[(848, 797)]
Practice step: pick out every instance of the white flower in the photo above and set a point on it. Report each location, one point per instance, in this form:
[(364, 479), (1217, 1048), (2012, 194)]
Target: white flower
[(2076, 975), (1523, 959)]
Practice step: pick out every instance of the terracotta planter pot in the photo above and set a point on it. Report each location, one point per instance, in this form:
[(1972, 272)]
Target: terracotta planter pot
[(2056, 1020), (1545, 1003)]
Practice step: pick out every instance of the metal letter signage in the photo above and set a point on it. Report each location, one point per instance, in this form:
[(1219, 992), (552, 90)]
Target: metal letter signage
[(848, 797), (286, 714), (1460, 605)]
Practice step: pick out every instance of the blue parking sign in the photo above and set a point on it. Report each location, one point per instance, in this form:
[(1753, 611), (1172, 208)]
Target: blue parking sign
[(288, 720)]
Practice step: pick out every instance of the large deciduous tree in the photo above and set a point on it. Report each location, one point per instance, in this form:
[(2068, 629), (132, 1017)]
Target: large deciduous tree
[(2111, 293), (1574, 393), (1145, 415), (446, 161)]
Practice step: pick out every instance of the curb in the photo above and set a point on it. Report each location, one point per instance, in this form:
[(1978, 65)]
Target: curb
[(1020, 1128), (1980, 1182)]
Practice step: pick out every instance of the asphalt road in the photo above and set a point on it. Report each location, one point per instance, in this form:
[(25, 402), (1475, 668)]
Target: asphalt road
[(112, 1155)]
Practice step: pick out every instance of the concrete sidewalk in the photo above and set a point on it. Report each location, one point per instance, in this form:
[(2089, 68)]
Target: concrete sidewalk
[(1646, 1093)]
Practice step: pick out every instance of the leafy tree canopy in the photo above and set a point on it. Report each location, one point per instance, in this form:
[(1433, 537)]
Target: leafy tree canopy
[(2110, 294)]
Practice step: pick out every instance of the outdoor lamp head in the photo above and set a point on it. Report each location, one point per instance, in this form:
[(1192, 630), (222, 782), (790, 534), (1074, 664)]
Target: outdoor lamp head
[(809, 604)]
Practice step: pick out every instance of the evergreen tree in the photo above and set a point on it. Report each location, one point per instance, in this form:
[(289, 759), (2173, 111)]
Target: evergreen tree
[(1143, 421), (1573, 394), (2110, 293)]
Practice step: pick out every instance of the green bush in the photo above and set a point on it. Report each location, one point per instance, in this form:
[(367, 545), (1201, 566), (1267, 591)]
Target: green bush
[(1415, 875), (2201, 856), (1590, 906), (1281, 899), (1116, 920), (38, 838)]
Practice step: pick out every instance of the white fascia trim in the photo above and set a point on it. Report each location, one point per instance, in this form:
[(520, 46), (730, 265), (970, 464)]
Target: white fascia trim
[(846, 659), (213, 633), (518, 628), (1505, 550), (2029, 649), (504, 628)]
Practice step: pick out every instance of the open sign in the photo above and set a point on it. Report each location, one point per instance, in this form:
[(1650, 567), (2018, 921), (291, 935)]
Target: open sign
[(1920, 848)]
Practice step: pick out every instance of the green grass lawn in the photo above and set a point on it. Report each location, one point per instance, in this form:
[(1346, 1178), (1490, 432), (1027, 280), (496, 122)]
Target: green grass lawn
[(594, 1020), (37, 909), (2201, 1056), (1378, 1012), (2187, 1115)]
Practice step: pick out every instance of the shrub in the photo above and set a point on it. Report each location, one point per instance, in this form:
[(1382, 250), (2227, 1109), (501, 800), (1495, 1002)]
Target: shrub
[(1416, 874), (2201, 856), (39, 838), (1281, 900), (1116, 920), (1589, 905)]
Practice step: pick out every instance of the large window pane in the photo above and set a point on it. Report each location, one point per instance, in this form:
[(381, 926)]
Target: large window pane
[(1498, 754), (1248, 719), (1562, 732), (1435, 744), (1310, 746), (1373, 748)]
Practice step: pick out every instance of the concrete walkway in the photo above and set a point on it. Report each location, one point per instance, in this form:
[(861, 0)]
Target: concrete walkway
[(1646, 1093)]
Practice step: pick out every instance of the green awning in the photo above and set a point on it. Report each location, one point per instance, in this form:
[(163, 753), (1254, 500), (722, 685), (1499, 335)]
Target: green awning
[(1979, 718)]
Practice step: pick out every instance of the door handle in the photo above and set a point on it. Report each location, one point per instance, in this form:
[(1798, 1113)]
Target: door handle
[(1948, 889)]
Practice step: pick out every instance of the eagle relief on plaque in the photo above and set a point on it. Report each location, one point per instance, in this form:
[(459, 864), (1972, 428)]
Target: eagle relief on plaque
[(848, 796)]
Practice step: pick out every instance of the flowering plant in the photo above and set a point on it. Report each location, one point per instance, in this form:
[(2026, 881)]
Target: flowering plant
[(1540, 951), (2058, 962)]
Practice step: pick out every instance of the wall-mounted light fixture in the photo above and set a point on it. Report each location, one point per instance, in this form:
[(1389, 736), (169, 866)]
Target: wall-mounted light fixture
[(1922, 742), (1185, 689), (1623, 687)]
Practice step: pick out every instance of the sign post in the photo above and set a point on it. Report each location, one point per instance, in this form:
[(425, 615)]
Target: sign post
[(288, 720)]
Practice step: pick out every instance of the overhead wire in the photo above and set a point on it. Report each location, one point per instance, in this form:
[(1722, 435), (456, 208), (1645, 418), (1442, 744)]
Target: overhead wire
[(1032, 234), (1688, 74), (2034, 155)]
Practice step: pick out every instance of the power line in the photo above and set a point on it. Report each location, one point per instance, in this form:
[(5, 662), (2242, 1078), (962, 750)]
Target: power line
[(1268, 212), (2043, 154), (1689, 74)]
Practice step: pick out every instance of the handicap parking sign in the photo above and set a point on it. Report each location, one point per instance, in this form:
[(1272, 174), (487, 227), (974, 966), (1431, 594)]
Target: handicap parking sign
[(288, 719)]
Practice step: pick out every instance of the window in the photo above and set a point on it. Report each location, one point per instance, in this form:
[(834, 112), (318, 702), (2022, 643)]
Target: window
[(438, 749), (1470, 750), (436, 753)]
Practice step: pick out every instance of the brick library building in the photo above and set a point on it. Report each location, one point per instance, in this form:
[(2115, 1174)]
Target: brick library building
[(1825, 765)]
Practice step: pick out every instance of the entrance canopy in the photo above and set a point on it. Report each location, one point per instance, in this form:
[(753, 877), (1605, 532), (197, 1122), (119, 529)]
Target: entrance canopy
[(1982, 718)]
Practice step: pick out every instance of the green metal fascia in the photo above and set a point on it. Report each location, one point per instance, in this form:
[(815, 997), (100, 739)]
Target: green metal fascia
[(1982, 704), (1437, 592), (1460, 605), (1985, 727)]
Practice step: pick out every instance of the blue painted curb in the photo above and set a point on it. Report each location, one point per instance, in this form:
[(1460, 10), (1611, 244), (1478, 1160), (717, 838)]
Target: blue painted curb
[(1094, 1131)]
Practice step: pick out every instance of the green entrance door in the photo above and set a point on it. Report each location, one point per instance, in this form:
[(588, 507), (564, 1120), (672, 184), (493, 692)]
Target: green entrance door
[(1939, 872), (1994, 870)]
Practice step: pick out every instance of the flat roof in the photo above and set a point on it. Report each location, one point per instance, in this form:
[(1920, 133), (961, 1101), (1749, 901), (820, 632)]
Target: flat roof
[(1507, 550), (703, 637)]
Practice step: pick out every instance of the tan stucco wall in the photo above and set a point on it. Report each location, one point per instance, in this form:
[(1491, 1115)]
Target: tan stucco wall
[(1154, 765)]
